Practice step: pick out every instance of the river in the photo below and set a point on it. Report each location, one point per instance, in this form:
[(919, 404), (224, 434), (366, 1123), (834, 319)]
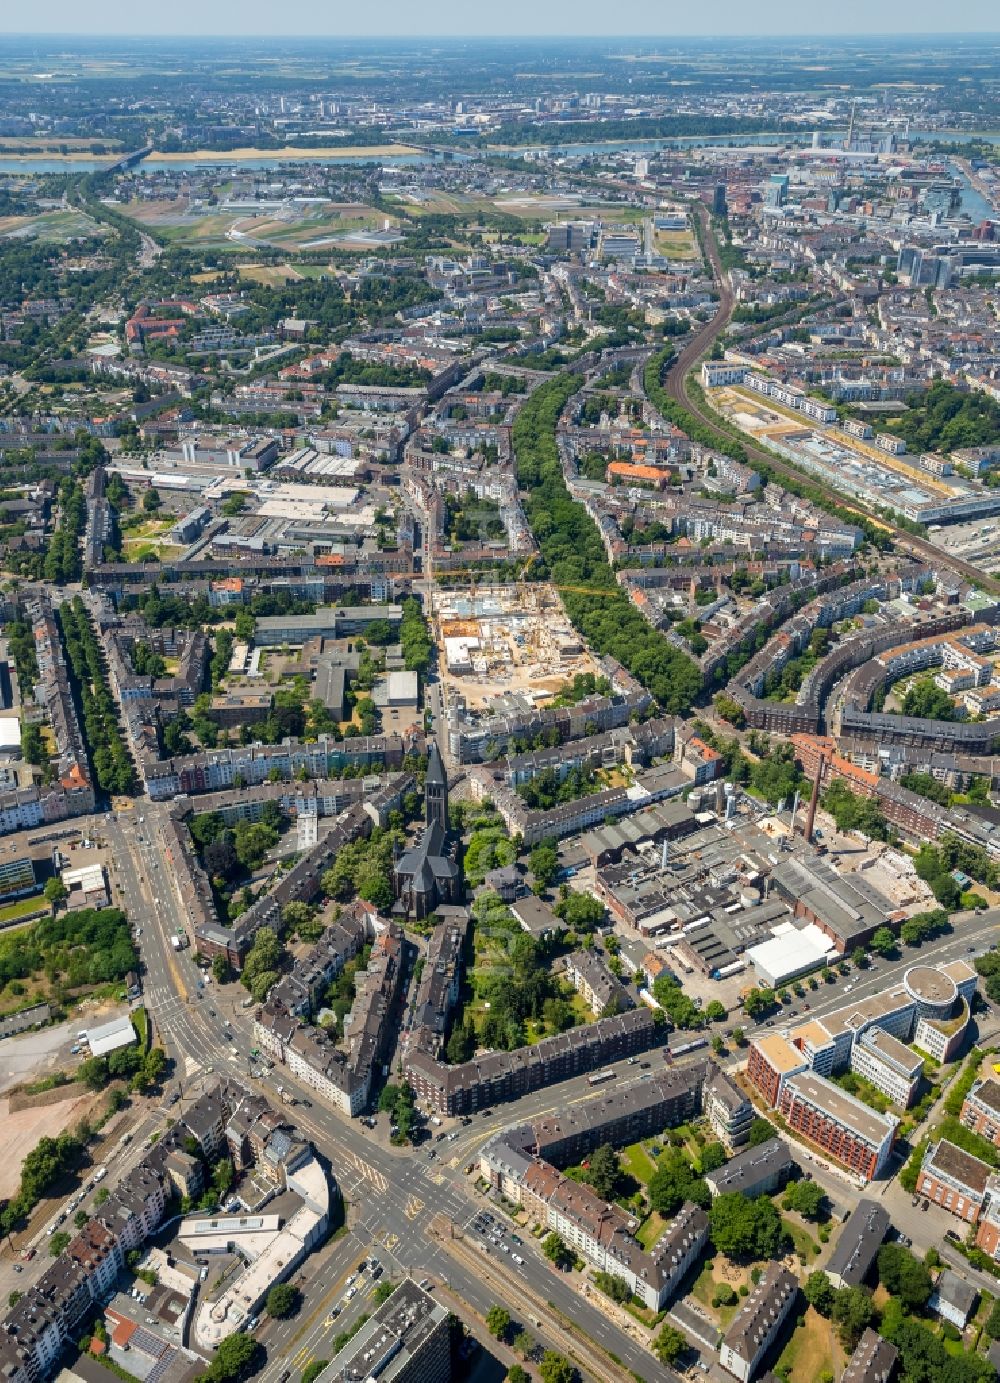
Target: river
[(268, 161)]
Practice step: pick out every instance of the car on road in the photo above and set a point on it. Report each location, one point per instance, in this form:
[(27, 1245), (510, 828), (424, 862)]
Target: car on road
[(518, 1259), (253, 1322), (19, 1267)]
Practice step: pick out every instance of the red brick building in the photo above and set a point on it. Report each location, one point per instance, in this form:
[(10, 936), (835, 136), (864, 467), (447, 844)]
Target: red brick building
[(772, 1058), (842, 1126), (954, 1179)]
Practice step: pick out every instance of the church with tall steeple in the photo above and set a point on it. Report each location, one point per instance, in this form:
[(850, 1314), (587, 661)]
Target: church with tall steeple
[(436, 789), (428, 873)]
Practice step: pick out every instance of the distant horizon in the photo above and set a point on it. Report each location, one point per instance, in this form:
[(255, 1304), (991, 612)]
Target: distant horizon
[(566, 20), (776, 36)]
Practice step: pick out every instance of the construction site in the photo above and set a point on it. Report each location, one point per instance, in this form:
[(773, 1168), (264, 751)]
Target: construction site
[(507, 638)]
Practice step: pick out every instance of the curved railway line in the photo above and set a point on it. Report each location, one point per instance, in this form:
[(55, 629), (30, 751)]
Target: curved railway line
[(674, 382)]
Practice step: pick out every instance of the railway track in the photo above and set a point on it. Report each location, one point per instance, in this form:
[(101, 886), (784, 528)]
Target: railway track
[(674, 385)]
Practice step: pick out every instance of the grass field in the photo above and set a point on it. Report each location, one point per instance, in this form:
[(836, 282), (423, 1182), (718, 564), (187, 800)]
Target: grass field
[(44, 143), (24, 907), (805, 1245), (676, 244), (812, 1347), (638, 1163), (651, 1229), (272, 275), (137, 550), (291, 227), (57, 227)]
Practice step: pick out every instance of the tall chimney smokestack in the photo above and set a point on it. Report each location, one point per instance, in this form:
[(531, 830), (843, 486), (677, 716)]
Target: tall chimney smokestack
[(813, 800)]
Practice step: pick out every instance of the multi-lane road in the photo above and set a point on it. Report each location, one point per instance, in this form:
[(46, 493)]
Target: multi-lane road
[(392, 1195), (397, 1200)]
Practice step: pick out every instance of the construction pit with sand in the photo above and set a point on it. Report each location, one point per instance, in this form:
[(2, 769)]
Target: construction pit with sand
[(514, 638)]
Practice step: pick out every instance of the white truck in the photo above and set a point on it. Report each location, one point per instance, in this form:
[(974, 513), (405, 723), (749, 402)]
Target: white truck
[(178, 942)]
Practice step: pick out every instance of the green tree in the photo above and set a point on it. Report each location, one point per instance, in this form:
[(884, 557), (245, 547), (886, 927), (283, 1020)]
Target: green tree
[(883, 942), (904, 1277), (675, 1182), (312, 1371), (221, 972), (234, 1359), (151, 501), (605, 1172), (853, 1311), (758, 1002), (713, 1156), (523, 1343), (669, 1345), (805, 1197), (516, 1374), (498, 1322), (544, 863), (555, 1368), (58, 1242), (745, 1227), (555, 1250), (282, 1301), (54, 892), (760, 1131), (819, 1292)]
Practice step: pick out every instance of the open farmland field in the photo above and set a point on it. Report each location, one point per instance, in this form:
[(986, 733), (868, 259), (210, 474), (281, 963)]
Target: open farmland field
[(271, 275)]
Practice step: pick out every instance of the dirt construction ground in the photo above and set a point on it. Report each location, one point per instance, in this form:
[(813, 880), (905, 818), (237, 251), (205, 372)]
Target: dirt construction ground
[(21, 1132)]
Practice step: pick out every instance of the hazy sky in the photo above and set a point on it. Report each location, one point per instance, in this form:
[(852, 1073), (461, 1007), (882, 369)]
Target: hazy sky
[(508, 17)]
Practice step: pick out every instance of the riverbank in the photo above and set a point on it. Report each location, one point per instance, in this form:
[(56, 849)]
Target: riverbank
[(289, 154)]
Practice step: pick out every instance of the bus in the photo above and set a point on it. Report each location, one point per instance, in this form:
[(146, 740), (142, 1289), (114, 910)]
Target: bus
[(599, 1077)]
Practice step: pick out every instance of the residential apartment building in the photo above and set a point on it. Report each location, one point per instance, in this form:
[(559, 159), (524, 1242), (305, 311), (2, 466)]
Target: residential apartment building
[(342, 1075), (496, 1077), (728, 1110), (591, 976), (988, 1233), (873, 1361), (407, 1340), (841, 1125), (754, 1171), (755, 1326), (857, 1248)]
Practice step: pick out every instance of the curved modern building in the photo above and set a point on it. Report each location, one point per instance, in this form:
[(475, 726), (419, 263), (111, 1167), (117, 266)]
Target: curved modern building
[(933, 991)]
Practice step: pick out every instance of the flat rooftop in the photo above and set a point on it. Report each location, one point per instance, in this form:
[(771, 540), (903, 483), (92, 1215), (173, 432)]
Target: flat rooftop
[(844, 1108), (779, 1053), (933, 986), (385, 1346), (955, 1164)]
